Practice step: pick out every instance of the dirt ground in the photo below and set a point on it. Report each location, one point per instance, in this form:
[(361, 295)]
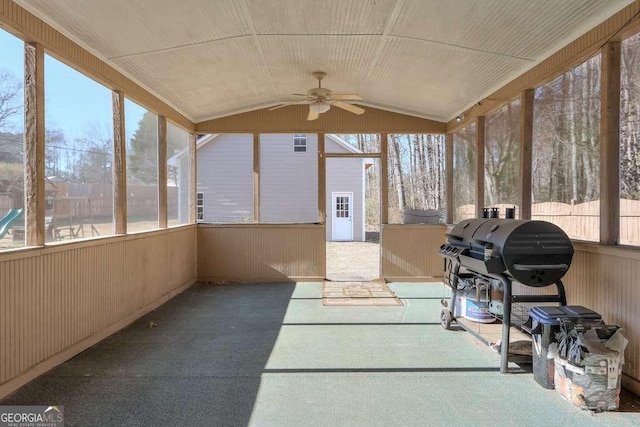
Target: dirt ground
[(353, 261)]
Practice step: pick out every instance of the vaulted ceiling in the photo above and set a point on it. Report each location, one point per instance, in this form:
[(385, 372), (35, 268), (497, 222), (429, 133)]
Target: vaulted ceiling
[(429, 58)]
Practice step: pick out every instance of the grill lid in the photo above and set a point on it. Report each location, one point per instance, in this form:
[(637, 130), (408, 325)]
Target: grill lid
[(535, 253)]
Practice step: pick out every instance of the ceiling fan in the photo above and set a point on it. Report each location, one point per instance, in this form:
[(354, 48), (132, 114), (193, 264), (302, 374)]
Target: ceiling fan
[(321, 99)]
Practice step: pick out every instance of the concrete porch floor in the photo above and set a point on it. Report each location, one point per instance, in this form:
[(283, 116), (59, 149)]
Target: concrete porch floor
[(273, 355)]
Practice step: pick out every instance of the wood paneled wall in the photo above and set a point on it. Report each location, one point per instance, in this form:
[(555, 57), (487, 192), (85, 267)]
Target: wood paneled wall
[(605, 279), (57, 301), (261, 252), (410, 252), (293, 120)]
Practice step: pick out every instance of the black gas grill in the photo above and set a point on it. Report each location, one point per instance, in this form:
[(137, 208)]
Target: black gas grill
[(534, 253)]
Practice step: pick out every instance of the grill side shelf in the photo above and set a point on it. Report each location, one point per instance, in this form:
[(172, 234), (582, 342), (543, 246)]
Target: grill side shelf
[(491, 266)]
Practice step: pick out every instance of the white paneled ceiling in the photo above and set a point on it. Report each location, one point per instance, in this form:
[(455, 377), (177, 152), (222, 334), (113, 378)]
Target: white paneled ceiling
[(430, 58)]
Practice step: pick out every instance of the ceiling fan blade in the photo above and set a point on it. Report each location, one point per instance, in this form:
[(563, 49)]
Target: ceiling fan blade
[(350, 108), (347, 96), (286, 104), (299, 94), (279, 106), (312, 115)]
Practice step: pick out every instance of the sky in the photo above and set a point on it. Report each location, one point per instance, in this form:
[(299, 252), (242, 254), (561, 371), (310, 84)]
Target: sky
[(73, 102)]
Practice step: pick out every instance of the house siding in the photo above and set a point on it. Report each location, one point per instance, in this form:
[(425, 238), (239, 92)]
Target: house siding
[(288, 180), (346, 175), (225, 176)]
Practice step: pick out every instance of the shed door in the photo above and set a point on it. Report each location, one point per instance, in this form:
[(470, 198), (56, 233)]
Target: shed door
[(342, 216)]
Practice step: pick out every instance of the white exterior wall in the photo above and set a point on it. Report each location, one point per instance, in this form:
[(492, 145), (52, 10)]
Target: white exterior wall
[(346, 175), (288, 180), (225, 176)]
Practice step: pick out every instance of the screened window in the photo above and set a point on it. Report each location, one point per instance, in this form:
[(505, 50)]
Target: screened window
[(502, 158), (300, 143), (12, 224), (141, 128), (200, 206), (225, 177), (566, 152), (178, 172), (78, 155), (355, 142), (464, 173), (630, 142), (288, 180), (416, 164)]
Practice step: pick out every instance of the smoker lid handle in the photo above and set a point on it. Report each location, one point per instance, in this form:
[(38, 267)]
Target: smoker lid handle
[(453, 237), (532, 267), (480, 241)]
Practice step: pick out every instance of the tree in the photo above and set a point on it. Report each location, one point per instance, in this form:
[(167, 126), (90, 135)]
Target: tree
[(10, 99), (566, 149), (96, 160), (502, 155), (464, 169), (11, 145), (630, 123), (143, 149)]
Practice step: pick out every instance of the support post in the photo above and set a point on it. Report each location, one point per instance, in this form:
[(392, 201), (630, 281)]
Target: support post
[(526, 146), (506, 324), (193, 180), (119, 165), (384, 179), (162, 172), (610, 144), (322, 181), (256, 177), (480, 129), (34, 151), (449, 177)]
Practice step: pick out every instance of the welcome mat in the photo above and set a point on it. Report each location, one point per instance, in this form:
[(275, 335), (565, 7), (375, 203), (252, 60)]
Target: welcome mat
[(375, 293)]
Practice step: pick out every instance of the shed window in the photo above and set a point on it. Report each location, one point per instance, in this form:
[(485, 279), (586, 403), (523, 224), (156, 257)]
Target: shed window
[(300, 143), (200, 206)]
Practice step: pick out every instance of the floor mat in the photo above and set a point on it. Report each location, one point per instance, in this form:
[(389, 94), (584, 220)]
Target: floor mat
[(374, 293)]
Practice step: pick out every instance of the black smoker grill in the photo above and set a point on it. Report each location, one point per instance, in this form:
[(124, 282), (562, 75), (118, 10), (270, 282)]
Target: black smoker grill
[(534, 253)]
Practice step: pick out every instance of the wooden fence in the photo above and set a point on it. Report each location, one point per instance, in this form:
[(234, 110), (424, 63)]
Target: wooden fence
[(90, 201), (580, 221)]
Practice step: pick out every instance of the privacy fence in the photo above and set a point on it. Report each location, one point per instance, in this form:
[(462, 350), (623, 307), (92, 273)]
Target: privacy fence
[(580, 221)]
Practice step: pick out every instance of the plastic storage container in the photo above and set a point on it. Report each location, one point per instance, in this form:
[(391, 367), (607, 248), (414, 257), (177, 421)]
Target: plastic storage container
[(545, 325)]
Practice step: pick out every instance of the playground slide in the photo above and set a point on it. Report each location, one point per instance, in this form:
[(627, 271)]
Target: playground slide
[(6, 222)]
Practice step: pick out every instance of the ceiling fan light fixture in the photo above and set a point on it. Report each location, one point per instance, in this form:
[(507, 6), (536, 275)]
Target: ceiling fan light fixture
[(319, 107)]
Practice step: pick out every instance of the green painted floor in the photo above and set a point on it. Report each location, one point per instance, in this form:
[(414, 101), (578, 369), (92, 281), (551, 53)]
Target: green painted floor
[(273, 355)]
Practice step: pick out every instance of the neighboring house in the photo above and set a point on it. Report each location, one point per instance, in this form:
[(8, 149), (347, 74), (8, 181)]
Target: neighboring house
[(288, 181)]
